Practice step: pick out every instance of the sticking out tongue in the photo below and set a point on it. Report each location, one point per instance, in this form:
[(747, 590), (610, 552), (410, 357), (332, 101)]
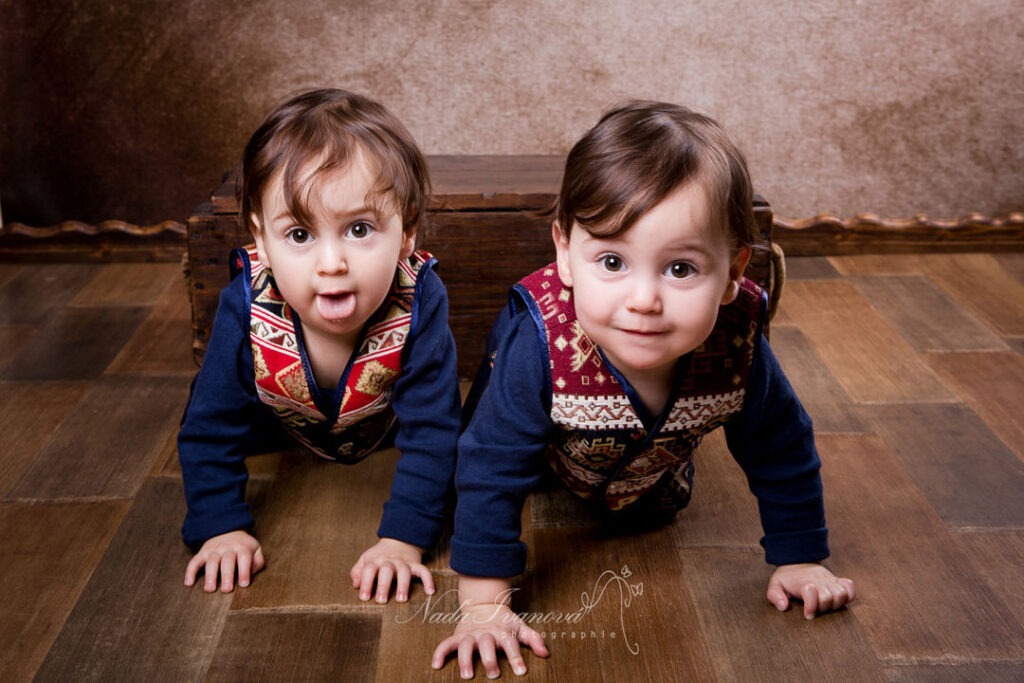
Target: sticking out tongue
[(335, 306)]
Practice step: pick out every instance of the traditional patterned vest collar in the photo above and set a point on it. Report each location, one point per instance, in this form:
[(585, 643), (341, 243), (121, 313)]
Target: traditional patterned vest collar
[(602, 451), (284, 383)]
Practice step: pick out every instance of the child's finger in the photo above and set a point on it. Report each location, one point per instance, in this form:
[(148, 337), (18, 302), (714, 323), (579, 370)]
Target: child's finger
[(426, 576), (402, 581), (244, 568), (777, 595), (212, 573), (488, 655), (443, 649), (192, 569), (385, 575), (810, 597), (533, 640), (227, 572), (467, 646)]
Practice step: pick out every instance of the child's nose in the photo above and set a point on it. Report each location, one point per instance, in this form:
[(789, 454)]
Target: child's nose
[(644, 296), (331, 258)]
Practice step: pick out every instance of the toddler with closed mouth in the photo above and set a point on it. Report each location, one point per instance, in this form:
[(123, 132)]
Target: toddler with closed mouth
[(611, 364), (333, 333)]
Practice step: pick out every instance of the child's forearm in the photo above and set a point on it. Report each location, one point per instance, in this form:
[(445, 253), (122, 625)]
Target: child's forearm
[(476, 590)]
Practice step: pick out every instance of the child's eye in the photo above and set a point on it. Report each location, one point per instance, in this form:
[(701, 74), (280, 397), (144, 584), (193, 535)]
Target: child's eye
[(680, 270), (359, 231), (610, 262), (298, 236)]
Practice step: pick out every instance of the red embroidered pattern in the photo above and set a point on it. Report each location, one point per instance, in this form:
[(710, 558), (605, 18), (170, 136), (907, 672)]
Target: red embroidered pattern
[(281, 379), (602, 447)]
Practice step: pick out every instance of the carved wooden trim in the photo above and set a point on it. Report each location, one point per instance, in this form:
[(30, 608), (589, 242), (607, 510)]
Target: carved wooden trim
[(826, 234), (113, 226), (107, 241)]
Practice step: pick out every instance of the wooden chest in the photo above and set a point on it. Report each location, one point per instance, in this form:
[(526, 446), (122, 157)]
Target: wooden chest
[(485, 229)]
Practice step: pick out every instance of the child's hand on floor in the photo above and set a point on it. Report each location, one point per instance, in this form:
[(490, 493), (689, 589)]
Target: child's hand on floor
[(484, 628), (221, 556), (390, 560), (814, 585)]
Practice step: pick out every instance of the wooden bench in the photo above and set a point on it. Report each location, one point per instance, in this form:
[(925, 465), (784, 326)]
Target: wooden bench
[(484, 228)]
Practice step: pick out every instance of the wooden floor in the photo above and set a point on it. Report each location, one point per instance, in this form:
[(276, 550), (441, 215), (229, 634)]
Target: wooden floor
[(912, 367)]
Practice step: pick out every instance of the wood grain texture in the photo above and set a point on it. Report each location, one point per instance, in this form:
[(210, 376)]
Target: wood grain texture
[(296, 646), (318, 519), (872, 362), (991, 384), (126, 284), (635, 620), (924, 315), (967, 474), (75, 343), (750, 640), (975, 281), (29, 415), (996, 672), (823, 397), (162, 342), (135, 621), (108, 443), (29, 296), (997, 558), (917, 597), (40, 582)]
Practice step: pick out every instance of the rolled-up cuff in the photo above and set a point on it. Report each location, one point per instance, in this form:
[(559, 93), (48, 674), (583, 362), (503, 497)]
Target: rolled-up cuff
[(496, 561), (796, 547)]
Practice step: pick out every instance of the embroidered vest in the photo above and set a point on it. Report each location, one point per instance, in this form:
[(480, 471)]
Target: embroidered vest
[(602, 451), (365, 418)]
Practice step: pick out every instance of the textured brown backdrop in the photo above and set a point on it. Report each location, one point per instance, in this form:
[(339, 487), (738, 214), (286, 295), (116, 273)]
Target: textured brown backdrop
[(132, 109)]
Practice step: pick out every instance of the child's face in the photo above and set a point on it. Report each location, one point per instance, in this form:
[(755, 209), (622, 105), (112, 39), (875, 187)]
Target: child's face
[(652, 294), (337, 272)]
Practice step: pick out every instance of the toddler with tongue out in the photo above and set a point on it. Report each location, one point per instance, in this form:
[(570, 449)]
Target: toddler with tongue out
[(333, 333)]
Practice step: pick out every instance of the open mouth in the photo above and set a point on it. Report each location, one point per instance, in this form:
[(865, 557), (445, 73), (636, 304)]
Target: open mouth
[(335, 305)]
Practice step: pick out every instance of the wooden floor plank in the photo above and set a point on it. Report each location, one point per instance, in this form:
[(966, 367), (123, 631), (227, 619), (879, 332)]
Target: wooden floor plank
[(632, 615), (919, 599), (977, 282), (318, 518), (49, 553), (108, 443), (75, 343), (29, 297), (311, 646), (1010, 672), (410, 632), (998, 559), (968, 475), (128, 284), (14, 338), (823, 397), (1012, 263), (29, 415), (925, 316), (991, 383), (162, 344), (870, 359), (722, 512), (810, 268), (752, 641), (135, 620), (9, 271)]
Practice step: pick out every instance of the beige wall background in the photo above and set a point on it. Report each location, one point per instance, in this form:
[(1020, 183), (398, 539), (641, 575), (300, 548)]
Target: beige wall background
[(133, 109)]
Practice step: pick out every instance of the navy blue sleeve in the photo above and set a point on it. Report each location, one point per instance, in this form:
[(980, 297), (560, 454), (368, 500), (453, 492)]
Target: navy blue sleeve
[(427, 405), (500, 453), (773, 441), (221, 425)]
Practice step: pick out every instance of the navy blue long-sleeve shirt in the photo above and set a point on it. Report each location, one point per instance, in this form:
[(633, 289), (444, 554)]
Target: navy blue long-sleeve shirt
[(501, 457), (225, 421)]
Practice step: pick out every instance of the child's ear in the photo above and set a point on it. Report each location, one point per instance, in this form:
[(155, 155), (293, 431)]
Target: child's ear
[(736, 270), (257, 234), (408, 243), (562, 254)]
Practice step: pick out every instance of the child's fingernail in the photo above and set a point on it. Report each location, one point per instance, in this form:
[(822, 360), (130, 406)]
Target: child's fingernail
[(519, 669)]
